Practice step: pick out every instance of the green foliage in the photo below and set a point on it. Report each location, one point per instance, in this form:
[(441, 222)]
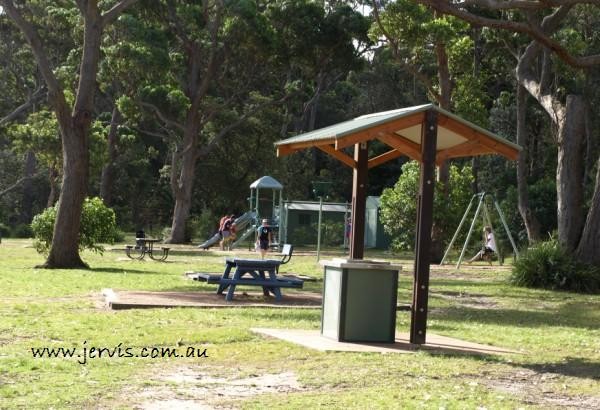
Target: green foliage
[(21, 231), (98, 225), (399, 205), (548, 266)]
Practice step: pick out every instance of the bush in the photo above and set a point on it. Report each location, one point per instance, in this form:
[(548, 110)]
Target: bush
[(22, 231), (4, 231), (399, 205), (548, 266), (98, 225)]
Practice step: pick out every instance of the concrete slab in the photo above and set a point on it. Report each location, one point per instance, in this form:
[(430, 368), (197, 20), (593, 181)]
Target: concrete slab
[(117, 300), (435, 343)]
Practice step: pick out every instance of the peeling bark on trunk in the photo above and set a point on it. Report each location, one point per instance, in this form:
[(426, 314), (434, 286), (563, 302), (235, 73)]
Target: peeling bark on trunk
[(532, 225), (569, 173), (54, 188), (108, 171), (183, 170), (587, 251)]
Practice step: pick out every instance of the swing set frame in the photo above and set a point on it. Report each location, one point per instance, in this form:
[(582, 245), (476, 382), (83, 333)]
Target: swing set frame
[(480, 198)]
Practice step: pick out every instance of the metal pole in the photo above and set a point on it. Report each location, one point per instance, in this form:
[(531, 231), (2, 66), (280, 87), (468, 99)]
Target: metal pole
[(462, 253), (510, 238), (319, 228), (462, 221)]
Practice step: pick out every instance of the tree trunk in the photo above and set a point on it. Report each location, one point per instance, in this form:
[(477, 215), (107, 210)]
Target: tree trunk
[(64, 252), (54, 188), (532, 225), (182, 185), (569, 173), (108, 171), (27, 202), (587, 251)]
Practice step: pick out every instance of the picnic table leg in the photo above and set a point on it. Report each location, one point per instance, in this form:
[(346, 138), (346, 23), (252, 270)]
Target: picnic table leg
[(225, 276), (266, 289), (236, 276), (275, 289)]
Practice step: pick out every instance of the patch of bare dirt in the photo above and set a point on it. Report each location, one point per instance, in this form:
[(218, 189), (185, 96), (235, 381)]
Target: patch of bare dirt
[(537, 389), (189, 388), (471, 300)]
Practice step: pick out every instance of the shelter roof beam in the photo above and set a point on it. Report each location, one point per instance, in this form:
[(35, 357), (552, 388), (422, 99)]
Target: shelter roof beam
[(287, 149), (469, 133), (401, 144), (469, 148), (383, 158), (339, 155)]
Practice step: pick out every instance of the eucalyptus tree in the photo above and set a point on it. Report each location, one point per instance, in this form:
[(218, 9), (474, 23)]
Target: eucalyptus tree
[(74, 117), (554, 29), (218, 76)]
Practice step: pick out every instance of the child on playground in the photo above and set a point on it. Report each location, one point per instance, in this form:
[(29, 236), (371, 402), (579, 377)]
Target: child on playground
[(264, 237), (489, 246), (227, 230)]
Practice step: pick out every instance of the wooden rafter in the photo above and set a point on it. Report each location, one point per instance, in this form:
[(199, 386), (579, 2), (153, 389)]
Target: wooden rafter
[(383, 158), (466, 149), (371, 133), (339, 155), (478, 137), (401, 144)]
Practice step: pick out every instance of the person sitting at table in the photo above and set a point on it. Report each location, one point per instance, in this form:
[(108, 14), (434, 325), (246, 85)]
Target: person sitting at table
[(264, 237)]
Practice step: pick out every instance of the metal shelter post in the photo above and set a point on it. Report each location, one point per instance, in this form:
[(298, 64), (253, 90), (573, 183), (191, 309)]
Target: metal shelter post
[(359, 199), (418, 324)]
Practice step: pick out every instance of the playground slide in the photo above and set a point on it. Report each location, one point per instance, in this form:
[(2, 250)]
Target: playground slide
[(212, 241), (241, 222)]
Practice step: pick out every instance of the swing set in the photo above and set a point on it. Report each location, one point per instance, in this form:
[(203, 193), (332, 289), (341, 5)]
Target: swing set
[(483, 200)]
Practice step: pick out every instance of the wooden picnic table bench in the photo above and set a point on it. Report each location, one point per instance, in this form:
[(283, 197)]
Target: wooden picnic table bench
[(254, 272)]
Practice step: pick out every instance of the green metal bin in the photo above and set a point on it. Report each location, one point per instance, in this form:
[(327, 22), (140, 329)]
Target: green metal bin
[(359, 301)]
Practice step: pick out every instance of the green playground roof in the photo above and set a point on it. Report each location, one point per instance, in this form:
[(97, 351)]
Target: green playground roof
[(401, 130)]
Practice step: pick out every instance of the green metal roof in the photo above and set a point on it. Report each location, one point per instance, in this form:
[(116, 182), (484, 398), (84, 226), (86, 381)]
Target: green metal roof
[(446, 138)]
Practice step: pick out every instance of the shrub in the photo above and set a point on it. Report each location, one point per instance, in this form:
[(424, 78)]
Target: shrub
[(548, 266), (98, 225), (22, 231), (399, 205)]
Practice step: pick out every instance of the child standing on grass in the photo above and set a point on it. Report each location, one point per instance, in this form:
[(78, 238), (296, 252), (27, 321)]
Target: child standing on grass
[(264, 237)]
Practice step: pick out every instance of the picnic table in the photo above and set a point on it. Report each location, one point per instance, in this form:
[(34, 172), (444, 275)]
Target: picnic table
[(253, 272), (145, 246)]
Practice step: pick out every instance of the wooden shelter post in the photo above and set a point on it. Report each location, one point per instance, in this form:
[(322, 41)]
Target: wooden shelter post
[(359, 199), (418, 324)]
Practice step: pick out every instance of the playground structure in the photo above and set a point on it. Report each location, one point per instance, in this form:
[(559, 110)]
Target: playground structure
[(248, 222), (285, 217), (484, 201)]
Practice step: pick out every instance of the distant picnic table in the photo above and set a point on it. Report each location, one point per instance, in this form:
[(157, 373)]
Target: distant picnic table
[(145, 246)]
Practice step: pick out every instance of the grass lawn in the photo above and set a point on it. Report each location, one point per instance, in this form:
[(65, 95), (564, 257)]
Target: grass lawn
[(557, 333)]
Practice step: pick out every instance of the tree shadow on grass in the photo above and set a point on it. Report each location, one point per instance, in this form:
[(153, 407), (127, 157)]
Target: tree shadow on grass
[(568, 315), (121, 270), (571, 366)]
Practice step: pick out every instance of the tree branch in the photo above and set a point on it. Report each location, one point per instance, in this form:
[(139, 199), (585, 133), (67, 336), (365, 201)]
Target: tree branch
[(55, 90), (163, 117), (111, 15), (522, 4), (534, 32), (38, 95), (17, 184)]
